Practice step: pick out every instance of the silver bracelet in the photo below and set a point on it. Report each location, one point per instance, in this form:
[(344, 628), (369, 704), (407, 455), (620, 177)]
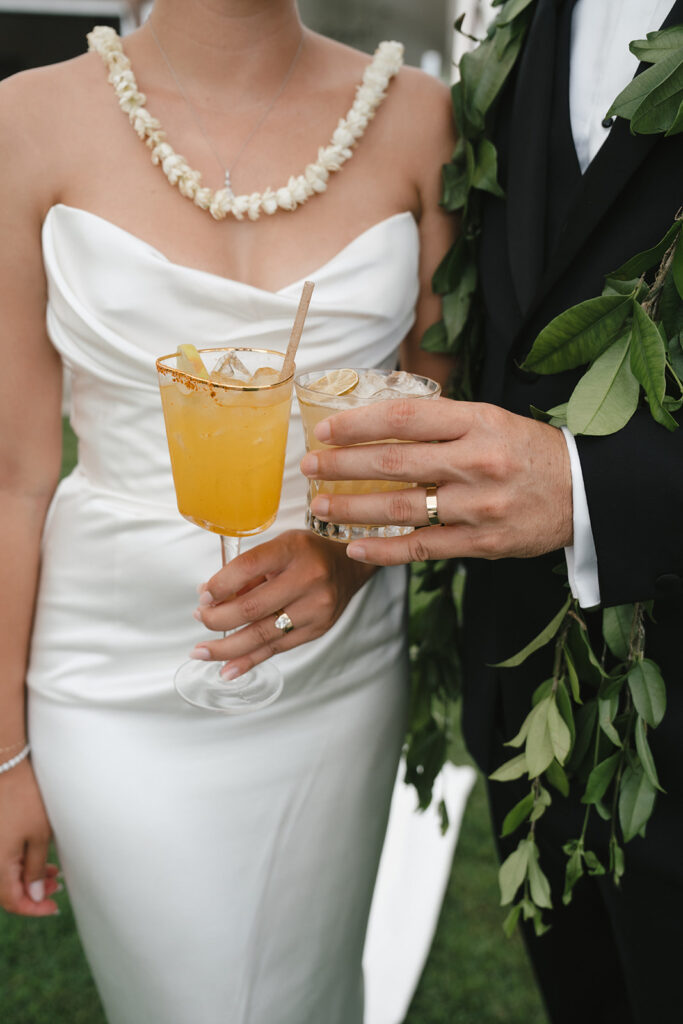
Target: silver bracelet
[(17, 759)]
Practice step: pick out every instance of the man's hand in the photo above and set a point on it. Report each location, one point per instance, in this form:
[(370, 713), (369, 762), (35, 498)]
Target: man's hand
[(504, 481)]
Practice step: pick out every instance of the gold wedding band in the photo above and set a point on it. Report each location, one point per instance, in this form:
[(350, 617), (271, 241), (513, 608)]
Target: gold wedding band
[(432, 506), (283, 622)]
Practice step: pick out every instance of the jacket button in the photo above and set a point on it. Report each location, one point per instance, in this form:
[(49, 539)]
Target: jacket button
[(668, 585)]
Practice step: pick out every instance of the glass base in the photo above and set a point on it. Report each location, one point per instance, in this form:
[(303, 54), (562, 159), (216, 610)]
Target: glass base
[(201, 685), (345, 532)]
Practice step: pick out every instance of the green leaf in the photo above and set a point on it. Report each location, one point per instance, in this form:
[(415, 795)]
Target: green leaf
[(645, 754), (677, 267), (456, 185), (658, 44), (544, 637), (451, 267), (483, 72), (606, 397), (519, 813), (635, 287), (565, 708), (600, 779), (578, 335), (539, 743), (557, 777), (573, 872), (676, 126), (657, 111), (648, 362), (586, 722), (648, 691), (676, 354), (512, 9), (456, 305), (636, 801), (616, 860), (485, 176), (542, 801), (593, 864), (607, 710), (671, 308), (644, 261), (538, 883), (435, 338), (650, 90), (510, 922), (616, 629), (572, 675), (560, 737), (513, 871), (519, 739), (512, 769)]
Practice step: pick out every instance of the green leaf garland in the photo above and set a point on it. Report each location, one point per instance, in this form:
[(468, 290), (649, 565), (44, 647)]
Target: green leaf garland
[(589, 724)]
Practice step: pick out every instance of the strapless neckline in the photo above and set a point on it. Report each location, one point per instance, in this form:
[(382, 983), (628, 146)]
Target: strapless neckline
[(154, 251)]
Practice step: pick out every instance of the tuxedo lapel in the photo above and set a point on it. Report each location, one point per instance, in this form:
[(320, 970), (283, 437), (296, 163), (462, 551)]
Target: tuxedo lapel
[(528, 151), (599, 190)]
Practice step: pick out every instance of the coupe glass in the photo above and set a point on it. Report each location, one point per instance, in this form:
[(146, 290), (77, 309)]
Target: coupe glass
[(227, 445)]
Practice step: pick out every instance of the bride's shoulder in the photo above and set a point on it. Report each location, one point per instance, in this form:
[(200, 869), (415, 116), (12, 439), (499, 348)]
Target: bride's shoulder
[(39, 95), (40, 113), (411, 93)]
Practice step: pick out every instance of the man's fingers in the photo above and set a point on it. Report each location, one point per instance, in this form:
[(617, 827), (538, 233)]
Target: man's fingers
[(407, 419), (411, 463), (420, 546)]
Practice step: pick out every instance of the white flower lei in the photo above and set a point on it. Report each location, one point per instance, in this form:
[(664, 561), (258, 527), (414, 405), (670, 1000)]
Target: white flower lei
[(386, 62)]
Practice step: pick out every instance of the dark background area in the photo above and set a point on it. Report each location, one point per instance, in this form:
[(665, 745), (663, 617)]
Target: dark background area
[(31, 40)]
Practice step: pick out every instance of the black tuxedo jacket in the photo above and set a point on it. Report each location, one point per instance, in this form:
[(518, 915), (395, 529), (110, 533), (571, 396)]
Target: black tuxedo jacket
[(547, 246)]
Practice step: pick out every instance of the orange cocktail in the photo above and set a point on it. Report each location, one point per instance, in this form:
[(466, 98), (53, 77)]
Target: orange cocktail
[(227, 442)]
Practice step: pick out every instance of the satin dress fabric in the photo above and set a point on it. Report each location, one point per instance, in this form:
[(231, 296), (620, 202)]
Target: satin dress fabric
[(220, 868)]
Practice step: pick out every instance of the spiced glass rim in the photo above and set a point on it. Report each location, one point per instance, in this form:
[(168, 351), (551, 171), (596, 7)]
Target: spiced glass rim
[(174, 371)]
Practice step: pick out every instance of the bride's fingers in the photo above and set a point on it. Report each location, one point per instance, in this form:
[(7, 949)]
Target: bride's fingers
[(251, 606), (248, 570), (240, 648)]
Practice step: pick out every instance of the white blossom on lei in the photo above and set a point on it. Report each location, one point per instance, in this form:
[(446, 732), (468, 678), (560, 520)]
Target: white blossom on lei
[(386, 63)]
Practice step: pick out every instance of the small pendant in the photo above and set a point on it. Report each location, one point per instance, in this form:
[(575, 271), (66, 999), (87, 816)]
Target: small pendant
[(228, 185)]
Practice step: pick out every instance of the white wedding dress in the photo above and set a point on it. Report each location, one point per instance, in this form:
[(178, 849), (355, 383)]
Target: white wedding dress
[(220, 869)]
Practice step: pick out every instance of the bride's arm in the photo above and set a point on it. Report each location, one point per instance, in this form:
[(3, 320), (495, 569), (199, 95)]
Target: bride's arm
[(30, 453), (432, 141)]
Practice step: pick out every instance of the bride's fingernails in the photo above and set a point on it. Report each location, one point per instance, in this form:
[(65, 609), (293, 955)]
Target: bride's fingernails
[(201, 587), (205, 598), (36, 891), (320, 506), (200, 654), (356, 551), (196, 614), (229, 672)]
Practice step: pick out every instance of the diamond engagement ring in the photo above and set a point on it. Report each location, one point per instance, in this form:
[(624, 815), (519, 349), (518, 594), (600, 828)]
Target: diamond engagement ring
[(283, 622), (432, 506)]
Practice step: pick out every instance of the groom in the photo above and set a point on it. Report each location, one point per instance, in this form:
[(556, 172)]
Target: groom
[(582, 196)]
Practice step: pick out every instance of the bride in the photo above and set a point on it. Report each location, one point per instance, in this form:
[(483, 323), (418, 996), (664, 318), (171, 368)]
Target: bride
[(220, 869)]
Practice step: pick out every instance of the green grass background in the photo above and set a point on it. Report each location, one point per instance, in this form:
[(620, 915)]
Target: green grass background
[(474, 975)]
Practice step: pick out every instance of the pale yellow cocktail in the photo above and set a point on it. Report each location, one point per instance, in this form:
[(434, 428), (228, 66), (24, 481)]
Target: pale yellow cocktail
[(370, 386)]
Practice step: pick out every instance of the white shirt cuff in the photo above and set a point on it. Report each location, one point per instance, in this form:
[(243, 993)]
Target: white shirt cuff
[(582, 560)]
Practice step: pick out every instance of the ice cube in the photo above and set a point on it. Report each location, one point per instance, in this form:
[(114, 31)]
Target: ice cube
[(265, 375), (230, 368)]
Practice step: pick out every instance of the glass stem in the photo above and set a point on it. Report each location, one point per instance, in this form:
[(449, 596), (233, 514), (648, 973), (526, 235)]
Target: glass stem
[(230, 548)]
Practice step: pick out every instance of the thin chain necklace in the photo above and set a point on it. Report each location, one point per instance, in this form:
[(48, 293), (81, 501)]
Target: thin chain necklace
[(227, 171)]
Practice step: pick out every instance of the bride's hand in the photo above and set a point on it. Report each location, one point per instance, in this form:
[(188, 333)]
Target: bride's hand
[(308, 577), (27, 881)]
